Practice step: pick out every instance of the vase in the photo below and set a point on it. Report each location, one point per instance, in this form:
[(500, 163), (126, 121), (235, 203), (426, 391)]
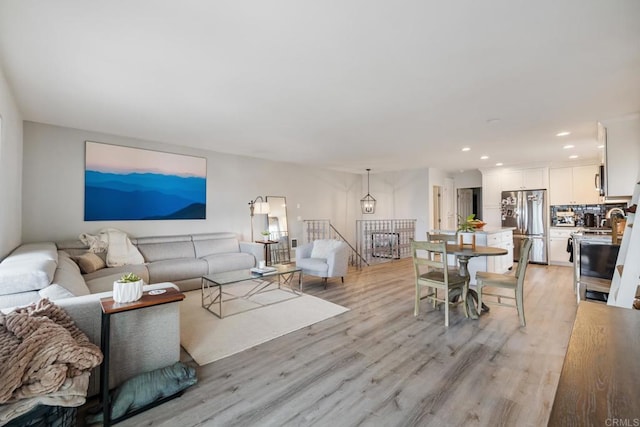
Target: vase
[(265, 238), (127, 291)]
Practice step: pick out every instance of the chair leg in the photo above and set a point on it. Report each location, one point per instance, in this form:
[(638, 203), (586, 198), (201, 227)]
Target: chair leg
[(324, 279), (520, 306), (435, 295), (446, 307), (479, 292), (416, 308), (342, 277)]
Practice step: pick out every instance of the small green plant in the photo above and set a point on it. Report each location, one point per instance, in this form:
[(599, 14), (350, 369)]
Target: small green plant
[(469, 224), (265, 233), (129, 278)]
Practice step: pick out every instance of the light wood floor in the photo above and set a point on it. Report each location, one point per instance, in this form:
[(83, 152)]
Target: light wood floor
[(378, 365)]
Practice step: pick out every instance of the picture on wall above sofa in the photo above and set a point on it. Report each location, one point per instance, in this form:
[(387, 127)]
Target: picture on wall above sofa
[(125, 183)]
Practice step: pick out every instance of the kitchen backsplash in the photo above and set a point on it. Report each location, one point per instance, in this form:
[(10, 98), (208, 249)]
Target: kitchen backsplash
[(599, 211)]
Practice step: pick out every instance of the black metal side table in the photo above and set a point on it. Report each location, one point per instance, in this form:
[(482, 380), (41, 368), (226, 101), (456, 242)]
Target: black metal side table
[(109, 308)]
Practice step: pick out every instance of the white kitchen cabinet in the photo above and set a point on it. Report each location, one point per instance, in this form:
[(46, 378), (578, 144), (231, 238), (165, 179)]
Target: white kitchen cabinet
[(524, 179), (574, 185), (622, 155), (499, 238), (558, 239), (491, 197)]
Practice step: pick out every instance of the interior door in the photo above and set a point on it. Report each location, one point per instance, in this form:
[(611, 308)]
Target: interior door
[(437, 207)]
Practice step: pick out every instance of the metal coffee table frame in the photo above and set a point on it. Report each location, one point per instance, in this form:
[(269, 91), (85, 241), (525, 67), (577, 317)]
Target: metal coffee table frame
[(212, 287)]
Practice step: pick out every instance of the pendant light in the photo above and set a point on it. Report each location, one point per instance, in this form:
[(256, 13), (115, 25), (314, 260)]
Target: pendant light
[(368, 203)]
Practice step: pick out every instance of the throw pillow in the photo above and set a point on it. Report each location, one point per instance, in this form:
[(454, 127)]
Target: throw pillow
[(89, 262), (322, 248)]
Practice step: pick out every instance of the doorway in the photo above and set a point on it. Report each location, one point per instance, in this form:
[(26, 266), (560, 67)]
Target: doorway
[(470, 202)]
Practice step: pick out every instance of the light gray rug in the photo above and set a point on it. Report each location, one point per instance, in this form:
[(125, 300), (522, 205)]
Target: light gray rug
[(207, 338)]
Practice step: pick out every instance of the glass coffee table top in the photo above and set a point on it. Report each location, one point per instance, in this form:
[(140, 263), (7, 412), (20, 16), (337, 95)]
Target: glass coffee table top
[(245, 289), (235, 276)]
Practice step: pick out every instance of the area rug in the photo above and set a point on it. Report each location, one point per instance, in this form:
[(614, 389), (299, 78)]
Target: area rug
[(207, 338)]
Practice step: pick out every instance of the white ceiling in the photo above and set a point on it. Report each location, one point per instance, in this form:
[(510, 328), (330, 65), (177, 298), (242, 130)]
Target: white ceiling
[(345, 84)]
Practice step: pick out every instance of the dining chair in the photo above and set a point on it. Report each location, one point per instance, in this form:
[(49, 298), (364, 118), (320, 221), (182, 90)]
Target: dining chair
[(448, 238), (433, 273), (515, 283)]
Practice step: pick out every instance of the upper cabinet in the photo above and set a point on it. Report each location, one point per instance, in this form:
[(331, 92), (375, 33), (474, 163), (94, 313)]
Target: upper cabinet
[(622, 154), (524, 179), (574, 185)]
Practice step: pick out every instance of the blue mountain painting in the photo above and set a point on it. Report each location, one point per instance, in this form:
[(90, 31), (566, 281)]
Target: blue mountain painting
[(143, 196)]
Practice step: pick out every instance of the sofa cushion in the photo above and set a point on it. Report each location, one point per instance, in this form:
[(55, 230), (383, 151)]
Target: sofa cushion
[(139, 269), (67, 282), (163, 248), (313, 266), (227, 262), (90, 262), (215, 243), (323, 247), (44, 250), (172, 270)]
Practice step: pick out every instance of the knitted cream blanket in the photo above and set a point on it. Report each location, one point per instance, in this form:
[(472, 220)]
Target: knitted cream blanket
[(40, 348)]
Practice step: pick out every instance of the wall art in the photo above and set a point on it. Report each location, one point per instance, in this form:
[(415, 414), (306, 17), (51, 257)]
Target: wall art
[(125, 183)]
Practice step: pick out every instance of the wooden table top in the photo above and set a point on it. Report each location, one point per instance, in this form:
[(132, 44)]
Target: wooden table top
[(468, 250), (599, 383), (109, 306)]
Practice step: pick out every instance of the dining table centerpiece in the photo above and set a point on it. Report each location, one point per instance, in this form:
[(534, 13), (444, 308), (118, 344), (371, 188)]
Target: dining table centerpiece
[(467, 227)]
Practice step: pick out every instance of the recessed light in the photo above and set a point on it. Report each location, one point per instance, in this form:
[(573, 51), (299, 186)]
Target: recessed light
[(564, 133), (499, 164), (484, 157), (600, 146), (566, 147), (491, 121), (466, 149), (573, 156)]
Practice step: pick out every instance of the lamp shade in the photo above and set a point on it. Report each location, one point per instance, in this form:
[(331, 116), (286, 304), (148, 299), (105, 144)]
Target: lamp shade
[(368, 203), (261, 208)]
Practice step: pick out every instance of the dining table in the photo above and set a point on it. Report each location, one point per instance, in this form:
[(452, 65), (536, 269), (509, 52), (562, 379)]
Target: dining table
[(464, 253)]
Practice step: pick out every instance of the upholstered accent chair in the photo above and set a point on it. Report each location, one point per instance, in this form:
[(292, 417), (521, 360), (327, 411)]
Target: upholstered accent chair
[(324, 258)]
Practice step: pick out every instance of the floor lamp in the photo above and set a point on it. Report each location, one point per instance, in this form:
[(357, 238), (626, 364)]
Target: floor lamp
[(257, 207)]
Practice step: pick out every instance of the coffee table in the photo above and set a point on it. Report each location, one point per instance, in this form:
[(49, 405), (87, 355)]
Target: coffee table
[(213, 285)]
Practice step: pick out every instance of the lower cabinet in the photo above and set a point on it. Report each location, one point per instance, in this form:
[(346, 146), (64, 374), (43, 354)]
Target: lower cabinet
[(558, 240), (493, 264)]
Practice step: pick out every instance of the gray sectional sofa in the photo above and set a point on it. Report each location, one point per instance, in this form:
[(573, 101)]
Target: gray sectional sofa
[(141, 340)]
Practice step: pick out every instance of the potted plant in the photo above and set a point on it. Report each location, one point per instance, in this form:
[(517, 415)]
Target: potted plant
[(470, 224), (265, 234), (128, 288)]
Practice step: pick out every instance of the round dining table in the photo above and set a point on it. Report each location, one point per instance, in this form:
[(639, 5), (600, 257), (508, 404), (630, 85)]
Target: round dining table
[(464, 253)]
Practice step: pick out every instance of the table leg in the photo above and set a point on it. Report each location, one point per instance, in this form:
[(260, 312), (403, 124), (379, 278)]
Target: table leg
[(105, 399), (472, 296)]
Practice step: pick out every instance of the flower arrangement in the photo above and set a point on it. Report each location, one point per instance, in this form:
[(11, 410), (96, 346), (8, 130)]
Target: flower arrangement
[(127, 288), (265, 232)]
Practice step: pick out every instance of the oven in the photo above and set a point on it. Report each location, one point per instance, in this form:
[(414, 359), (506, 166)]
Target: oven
[(594, 264)]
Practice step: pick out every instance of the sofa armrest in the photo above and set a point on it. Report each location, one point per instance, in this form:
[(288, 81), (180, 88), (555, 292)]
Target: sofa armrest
[(141, 340), (255, 249), (338, 261)]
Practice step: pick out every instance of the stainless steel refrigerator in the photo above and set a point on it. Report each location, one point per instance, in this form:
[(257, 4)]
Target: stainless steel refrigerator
[(526, 210)]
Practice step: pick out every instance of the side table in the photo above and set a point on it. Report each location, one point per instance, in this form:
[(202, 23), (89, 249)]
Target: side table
[(109, 308), (267, 251)]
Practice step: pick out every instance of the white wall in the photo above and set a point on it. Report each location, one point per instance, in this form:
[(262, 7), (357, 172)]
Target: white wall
[(10, 170), (53, 194), (468, 179)]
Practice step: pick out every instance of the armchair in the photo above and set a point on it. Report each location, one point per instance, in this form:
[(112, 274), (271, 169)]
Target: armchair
[(323, 258)]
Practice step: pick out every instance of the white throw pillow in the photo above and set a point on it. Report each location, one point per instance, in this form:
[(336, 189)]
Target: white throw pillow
[(26, 275), (322, 248)]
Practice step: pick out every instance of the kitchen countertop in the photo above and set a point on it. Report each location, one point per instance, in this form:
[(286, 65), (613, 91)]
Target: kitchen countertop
[(485, 230)]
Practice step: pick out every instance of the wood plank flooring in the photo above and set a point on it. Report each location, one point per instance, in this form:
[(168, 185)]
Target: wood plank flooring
[(378, 365)]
